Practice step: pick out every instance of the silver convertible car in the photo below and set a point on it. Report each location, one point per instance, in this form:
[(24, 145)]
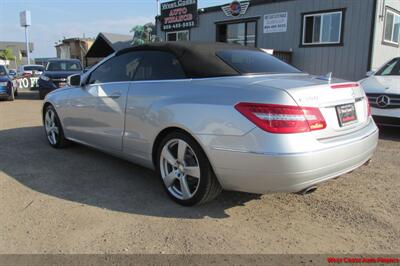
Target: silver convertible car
[(209, 117)]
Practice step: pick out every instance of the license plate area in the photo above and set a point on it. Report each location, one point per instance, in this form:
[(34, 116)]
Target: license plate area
[(346, 114)]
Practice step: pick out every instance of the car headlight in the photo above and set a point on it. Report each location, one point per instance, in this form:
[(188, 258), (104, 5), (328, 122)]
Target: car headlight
[(45, 78), (4, 84)]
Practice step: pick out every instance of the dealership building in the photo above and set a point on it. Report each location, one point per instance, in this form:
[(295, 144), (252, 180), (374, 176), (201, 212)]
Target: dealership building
[(345, 37)]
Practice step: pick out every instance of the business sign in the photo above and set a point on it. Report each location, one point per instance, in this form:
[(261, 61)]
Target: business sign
[(178, 15), (25, 18), (275, 22), (26, 82), (236, 8)]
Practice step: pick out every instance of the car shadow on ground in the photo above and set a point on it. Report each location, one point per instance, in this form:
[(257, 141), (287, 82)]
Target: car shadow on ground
[(86, 176), (389, 133)]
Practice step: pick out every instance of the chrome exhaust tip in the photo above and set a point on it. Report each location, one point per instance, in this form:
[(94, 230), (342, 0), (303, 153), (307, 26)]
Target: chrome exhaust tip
[(368, 162), (308, 190)]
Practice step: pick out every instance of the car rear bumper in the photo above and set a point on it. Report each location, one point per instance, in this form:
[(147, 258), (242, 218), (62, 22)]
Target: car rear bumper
[(293, 171)]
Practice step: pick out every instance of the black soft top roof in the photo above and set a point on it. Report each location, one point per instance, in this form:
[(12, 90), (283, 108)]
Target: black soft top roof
[(198, 59)]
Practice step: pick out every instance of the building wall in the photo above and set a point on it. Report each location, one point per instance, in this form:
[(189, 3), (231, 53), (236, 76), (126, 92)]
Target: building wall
[(349, 61), (74, 49), (64, 51), (19, 51), (381, 52)]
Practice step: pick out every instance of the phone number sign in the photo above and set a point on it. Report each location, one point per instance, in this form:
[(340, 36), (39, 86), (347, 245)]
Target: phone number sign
[(178, 15), (275, 22)]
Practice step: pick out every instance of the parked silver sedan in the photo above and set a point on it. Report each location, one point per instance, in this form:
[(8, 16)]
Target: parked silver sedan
[(209, 117)]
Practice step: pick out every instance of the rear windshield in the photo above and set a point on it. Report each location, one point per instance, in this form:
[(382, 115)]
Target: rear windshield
[(64, 66), (255, 62), (35, 68), (390, 69)]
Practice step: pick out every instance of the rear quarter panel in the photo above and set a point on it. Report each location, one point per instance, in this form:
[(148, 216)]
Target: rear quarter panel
[(200, 107)]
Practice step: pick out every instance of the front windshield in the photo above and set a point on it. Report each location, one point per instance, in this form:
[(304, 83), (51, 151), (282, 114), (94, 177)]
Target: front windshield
[(64, 66), (255, 62), (33, 68), (3, 71), (390, 69)]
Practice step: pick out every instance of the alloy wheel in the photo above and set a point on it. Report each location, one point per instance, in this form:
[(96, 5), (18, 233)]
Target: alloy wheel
[(180, 169), (52, 129)]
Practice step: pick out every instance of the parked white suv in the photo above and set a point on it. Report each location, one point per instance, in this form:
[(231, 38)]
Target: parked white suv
[(383, 91), (30, 70)]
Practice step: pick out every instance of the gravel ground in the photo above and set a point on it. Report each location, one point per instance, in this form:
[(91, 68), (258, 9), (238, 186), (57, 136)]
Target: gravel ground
[(78, 200)]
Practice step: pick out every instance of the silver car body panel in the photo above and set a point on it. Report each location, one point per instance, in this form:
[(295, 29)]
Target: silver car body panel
[(244, 157), (269, 164)]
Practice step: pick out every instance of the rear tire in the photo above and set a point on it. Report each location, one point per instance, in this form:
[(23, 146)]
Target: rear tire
[(53, 128), (187, 176)]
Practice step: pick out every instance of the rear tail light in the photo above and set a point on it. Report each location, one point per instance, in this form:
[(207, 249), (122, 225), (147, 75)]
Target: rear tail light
[(282, 118), (368, 107), (345, 86)]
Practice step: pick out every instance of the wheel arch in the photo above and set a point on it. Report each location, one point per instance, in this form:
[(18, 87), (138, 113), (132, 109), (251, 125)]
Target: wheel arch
[(164, 132), (160, 136), (45, 105)]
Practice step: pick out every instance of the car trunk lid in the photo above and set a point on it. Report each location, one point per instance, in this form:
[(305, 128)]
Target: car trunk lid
[(336, 99)]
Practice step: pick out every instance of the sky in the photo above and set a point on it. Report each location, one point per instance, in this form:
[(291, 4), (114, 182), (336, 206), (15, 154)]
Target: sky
[(52, 20)]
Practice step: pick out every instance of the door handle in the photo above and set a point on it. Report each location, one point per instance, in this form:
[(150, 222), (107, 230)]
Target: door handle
[(115, 95)]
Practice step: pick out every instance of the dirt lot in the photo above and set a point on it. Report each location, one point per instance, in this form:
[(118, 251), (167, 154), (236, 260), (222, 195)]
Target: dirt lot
[(79, 200)]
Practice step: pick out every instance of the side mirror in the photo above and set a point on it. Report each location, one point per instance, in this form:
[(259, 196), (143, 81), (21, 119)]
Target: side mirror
[(370, 73), (74, 80)]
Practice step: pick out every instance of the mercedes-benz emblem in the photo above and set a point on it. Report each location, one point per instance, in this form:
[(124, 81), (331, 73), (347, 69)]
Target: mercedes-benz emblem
[(383, 101)]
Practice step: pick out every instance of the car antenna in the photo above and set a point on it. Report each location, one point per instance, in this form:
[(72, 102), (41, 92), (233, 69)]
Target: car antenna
[(327, 77)]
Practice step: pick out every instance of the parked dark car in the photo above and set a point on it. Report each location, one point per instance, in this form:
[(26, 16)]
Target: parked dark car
[(56, 74), (7, 89)]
